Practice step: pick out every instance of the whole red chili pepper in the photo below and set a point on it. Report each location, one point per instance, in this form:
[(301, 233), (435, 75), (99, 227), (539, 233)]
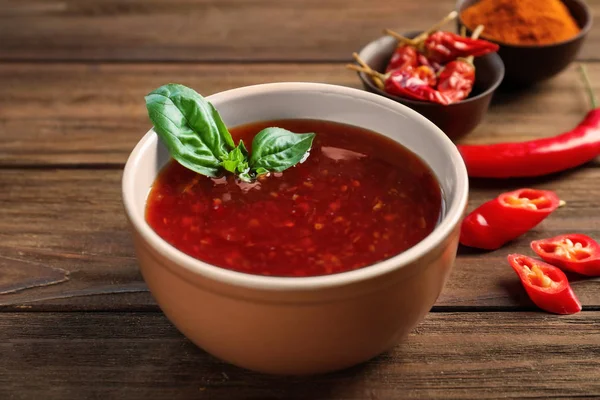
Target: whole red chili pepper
[(571, 252), (404, 56), (546, 285), (444, 47), (537, 157), (507, 217), (456, 80)]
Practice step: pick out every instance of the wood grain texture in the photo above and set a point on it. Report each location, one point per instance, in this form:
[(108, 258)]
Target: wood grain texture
[(208, 30), (449, 356), (73, 220), (71, 110), (94, 113)]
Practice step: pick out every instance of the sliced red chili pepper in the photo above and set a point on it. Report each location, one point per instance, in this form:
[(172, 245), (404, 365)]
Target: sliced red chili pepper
[(444, 47), (571, 252), (537, 157), (507, 217), (546, 285), (404, 56)]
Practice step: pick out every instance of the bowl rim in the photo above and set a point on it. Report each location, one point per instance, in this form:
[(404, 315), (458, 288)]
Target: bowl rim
[(490, 90), (451, 219), (584, 30)]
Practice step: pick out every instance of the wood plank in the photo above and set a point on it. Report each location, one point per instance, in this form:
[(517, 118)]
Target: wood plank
[(101, 115), (207, 30), (142, 356), (70, 224), (94, 113), (203, 30)]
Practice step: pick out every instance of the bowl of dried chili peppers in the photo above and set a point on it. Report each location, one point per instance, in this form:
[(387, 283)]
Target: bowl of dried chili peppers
[(448, 78), (537, 39)]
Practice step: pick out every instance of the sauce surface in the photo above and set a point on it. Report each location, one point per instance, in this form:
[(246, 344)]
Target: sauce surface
[(358, 199)]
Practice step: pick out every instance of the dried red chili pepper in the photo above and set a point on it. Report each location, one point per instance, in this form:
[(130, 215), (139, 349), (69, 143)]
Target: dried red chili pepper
[(404, 56), (507, 217), (426, 74), (538, 157), (571, 252), (409, 82), (444, 47), (546, 285), (407, 56), (408, 48), (415, 83), (457, 78)]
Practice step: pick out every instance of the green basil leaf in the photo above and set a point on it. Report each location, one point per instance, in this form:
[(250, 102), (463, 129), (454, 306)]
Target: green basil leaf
[(190, 127), (237, 160), (277, 149)]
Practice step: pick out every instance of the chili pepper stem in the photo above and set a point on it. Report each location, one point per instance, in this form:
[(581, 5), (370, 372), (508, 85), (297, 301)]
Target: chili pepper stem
[(588, 86), (417, 40), (463, 31), (367, 71), (378, 77), (562, 203), (450, 17), (475, 35), (401, 39)]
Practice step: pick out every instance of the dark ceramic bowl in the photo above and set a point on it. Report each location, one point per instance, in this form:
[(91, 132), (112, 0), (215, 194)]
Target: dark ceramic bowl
[(456, 119), (526, 65)]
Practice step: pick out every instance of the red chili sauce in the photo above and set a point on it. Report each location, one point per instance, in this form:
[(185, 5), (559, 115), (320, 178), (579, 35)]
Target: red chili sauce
[(358, 199)]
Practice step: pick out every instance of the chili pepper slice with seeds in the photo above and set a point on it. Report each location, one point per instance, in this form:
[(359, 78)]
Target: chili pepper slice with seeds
[(571, 252), (507, 217), (546, 285)]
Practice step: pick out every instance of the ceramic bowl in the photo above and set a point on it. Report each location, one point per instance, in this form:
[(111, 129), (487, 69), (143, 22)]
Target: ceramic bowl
[(527, 65), (311, 324), (456, 120)]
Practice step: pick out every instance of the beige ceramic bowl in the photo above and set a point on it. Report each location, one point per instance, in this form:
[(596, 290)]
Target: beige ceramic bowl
[(302, 325)]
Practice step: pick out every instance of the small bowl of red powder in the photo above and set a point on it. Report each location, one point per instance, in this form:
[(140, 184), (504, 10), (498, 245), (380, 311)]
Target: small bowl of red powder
[(538, 39)]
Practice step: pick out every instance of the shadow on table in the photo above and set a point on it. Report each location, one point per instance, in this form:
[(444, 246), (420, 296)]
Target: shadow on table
[(230, 382), (141, 356)]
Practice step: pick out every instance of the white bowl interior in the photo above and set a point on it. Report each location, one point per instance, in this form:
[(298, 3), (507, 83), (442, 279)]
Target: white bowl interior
[(314, 101)]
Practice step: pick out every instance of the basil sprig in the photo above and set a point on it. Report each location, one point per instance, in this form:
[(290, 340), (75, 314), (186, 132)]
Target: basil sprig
[(196, 137)]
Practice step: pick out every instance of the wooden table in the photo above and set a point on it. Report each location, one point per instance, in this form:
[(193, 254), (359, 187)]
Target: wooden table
[(76, 318)]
